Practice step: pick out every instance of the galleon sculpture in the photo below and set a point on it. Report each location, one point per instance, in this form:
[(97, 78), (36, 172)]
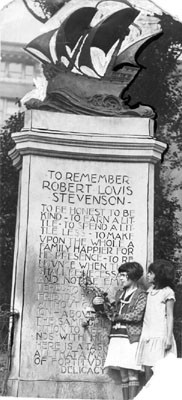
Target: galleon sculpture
[(89, 56)]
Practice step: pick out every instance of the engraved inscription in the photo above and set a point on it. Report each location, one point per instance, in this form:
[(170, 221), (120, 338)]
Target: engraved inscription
[(87, 223)]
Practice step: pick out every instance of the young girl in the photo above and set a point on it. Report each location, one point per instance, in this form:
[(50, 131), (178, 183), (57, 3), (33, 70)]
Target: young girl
[(126, 328), (157, 338)]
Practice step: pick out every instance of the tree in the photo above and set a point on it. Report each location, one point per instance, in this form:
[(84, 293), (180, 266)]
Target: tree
[(158, 85), (8, 203)]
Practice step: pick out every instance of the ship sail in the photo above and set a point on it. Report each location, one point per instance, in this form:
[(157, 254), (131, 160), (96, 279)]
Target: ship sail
[(90, 42), (128, 55), (40, 46), (115, 27), (106, 34), (72, 30), (67, 36)]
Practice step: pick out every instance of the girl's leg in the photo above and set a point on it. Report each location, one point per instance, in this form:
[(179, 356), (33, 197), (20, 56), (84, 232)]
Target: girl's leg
[(124, 384), (148, 373), (133, 383)]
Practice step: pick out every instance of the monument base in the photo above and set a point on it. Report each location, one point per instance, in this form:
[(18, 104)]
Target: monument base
[(65, 390), (85, 206)]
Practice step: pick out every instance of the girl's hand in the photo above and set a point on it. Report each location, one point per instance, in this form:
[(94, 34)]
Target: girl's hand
[(117, 318), (168, 344), (169, 312)]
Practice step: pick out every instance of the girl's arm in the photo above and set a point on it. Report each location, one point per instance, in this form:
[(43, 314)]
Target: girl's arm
[(137, 314), (169, 311)]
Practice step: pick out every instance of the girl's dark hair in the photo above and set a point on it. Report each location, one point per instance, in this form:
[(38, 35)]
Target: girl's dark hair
[(164, 273), (133, 269)]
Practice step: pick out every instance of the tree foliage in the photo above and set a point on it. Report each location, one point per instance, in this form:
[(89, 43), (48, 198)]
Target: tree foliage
[(159, 85), (8, 203)]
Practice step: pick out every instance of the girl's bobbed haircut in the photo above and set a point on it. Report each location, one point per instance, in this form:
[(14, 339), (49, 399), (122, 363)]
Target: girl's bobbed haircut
[(164, 273), (133, 269)]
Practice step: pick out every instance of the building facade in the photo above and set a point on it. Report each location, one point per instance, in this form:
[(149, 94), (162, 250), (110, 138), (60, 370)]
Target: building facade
[(17, 72), (17, 68)]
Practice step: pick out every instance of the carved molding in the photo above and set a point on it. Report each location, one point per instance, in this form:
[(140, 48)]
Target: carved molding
[(145, 150)]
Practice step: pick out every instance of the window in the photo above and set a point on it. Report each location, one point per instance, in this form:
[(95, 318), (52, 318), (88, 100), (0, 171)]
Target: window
[(15, 70), (29, 73), (2, 69)]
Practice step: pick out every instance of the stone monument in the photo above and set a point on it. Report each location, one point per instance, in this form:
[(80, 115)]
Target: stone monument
[(85, 204)]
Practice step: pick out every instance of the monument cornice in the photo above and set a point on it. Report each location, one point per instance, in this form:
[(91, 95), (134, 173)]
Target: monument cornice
[(87, 147)]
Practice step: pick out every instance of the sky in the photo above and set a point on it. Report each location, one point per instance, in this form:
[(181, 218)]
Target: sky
[(14, 22), (173, 7)]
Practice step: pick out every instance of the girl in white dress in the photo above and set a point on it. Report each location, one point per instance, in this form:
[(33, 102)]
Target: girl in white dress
[(157, 338)]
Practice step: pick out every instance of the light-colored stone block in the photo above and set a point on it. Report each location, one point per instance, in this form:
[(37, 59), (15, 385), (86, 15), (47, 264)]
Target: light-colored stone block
[(86, 124), (85, 204)]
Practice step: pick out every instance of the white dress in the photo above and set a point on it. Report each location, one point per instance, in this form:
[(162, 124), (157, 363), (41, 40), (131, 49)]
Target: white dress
[(152, 341)]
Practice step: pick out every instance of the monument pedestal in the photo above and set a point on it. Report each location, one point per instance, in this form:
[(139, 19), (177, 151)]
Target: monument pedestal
[(85, 206)]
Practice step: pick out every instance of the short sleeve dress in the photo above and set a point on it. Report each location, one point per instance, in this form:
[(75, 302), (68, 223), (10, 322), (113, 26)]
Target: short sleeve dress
[(152, 341)]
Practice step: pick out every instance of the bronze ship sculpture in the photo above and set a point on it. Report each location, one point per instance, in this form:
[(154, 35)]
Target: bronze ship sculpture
[(90, 59)]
